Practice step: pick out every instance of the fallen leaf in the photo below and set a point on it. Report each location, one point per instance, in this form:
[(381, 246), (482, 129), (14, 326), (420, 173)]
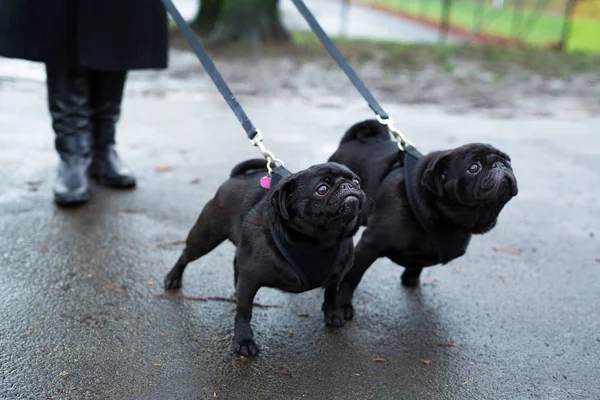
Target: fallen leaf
[(286, 372), (90, 276), (379, 359), (157, 364), (163, 168), (385, 342), (64, 373), (149, 283), (426, 362), (162, 334), (447, 344), (501, 276), (193, 181), (303, 314), (165, 244), (118, 292), (504, 250), (357, 374), (132, 210), (291, 332), (214, 394)]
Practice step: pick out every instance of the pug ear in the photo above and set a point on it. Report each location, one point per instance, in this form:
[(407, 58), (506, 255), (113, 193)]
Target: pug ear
[(280, 196), (434, 177)]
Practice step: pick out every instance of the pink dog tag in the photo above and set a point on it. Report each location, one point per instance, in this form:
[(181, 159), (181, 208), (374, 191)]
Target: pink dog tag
[(265, 182)]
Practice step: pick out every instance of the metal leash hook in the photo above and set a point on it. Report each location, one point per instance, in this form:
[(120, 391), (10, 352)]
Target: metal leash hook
[(272, 161), (402, 141)]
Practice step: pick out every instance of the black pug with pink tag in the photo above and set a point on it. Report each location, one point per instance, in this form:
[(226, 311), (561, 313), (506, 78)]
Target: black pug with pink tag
[(453, 194), (295, 236)]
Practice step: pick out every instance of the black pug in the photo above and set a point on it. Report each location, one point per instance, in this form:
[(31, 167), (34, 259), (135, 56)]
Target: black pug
[(294, 237), (456, 193)]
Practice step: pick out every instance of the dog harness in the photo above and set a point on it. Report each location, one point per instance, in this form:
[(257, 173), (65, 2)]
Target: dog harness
[(451, 244), (313, 265)]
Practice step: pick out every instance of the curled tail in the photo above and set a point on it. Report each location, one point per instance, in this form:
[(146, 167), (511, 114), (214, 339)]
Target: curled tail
[(243, 168), (369, 130)]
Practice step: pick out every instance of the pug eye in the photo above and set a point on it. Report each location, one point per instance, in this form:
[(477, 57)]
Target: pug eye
[(356, 182), (322, 190), (474, 168)]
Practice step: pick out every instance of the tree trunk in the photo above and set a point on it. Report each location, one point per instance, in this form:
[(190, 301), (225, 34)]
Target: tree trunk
[(249, 21), (205, 21)]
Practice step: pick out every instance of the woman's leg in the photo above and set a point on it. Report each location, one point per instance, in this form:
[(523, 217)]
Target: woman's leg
[(106, 95), (70, 111)]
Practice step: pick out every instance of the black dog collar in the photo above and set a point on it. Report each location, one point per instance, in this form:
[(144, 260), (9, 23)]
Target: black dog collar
[(313, 265), (451, 244)]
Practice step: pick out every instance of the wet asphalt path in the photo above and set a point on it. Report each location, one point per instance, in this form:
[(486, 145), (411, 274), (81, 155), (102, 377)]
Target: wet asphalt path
[(80, 317)]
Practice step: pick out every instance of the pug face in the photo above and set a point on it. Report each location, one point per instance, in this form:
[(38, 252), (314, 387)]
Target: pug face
[(322, 202), (471, 183)]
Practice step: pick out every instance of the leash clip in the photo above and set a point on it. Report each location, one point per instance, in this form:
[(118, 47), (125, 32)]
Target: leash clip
[(402, 141), (272, 161)]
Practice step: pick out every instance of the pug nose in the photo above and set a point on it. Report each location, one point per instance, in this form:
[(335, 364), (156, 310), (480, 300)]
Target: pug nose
[(498, 164), (346, 185)]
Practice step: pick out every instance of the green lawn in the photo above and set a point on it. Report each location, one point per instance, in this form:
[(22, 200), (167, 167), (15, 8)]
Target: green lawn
[(530, 26)]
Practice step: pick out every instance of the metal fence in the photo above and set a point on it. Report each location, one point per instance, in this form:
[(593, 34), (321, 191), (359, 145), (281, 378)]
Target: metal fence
[(561, 24)]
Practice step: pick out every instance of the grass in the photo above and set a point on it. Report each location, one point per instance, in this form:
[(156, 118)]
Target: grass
[(415, 57), (536, 27)]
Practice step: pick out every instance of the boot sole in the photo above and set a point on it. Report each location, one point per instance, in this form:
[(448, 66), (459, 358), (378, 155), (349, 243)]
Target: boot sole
[(113, 183), (71, 200)]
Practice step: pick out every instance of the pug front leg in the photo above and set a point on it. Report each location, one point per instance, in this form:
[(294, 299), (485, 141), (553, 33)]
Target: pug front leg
[(333, 314), (243, 339), (410, 276), (365, 255)]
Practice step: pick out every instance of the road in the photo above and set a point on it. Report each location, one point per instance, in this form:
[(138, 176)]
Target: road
[(361, 23), (516, 318)]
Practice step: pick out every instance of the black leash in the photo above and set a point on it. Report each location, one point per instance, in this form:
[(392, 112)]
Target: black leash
[(331, 48), (211, 69), (313, 265), (339, 58)]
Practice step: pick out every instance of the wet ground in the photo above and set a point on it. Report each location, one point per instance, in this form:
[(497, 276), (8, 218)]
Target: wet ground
[(518, 317)]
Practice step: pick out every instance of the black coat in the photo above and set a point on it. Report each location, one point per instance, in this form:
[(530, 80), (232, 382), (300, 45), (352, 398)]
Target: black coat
[(99, 34)]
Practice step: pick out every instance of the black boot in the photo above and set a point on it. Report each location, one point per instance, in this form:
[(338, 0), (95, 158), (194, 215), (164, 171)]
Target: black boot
[(69, 108), (106, 94)]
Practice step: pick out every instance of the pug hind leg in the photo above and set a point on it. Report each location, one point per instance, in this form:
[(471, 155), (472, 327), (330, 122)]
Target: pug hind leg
[(206, 234), (410, 276), (243, 339)]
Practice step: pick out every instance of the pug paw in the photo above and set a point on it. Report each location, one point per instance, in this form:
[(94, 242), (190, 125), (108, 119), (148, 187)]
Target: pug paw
[(172, 282), (348, 312), (246, 348), (334, 318)]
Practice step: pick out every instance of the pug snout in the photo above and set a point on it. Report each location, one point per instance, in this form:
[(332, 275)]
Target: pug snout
[(498, 164)]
